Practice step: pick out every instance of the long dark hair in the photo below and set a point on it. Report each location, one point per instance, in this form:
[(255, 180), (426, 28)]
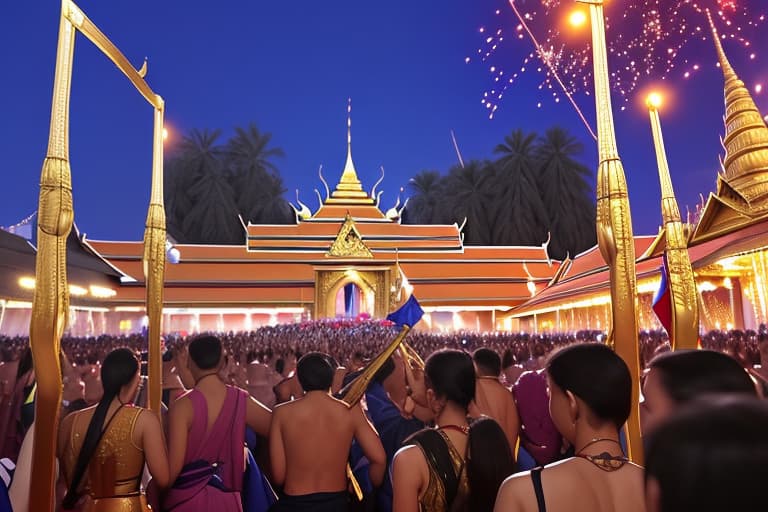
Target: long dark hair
[(451, 375), (120, 366), (489, 463)]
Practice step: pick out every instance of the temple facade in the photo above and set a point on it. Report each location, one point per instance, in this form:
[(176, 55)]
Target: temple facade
[(346, 259)]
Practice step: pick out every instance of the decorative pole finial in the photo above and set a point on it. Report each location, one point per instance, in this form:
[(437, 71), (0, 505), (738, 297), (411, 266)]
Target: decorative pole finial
[(349, 125)]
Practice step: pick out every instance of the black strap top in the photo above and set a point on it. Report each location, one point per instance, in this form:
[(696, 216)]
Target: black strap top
[(538, 489)]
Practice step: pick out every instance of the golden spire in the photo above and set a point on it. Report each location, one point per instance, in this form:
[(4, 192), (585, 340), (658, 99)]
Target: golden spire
[(746, 139), (349, 190), (684, 331)]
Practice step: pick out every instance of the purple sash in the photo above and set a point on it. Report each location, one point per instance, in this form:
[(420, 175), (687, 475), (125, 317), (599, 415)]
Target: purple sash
[(214, 460)]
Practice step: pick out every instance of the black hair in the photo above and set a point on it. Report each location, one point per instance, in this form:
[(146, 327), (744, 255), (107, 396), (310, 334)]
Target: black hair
[(205, 351), (280, 365), (489, 463), (508, 359), (25, 363), (594, 373), (687, 374), (315, 372), (451, 374), (487, 362), (119, 368), (385, 371), (712, 455)]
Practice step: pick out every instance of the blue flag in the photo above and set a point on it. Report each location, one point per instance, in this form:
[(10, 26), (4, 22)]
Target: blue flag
[(408, 314)]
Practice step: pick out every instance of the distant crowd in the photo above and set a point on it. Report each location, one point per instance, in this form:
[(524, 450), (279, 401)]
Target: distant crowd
[(449, 422)]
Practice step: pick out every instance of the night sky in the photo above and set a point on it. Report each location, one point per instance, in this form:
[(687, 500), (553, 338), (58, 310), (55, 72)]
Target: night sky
[(289, 67)]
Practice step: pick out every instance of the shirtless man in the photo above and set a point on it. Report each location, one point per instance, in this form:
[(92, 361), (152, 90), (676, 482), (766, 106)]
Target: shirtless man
[(310, 440), (492, 398), (259, 381)]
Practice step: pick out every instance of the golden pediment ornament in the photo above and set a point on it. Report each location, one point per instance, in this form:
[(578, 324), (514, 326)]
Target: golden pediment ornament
[(349, 243)]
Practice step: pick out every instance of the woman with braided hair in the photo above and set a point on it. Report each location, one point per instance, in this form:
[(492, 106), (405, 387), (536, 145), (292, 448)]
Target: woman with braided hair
[(103, 448)]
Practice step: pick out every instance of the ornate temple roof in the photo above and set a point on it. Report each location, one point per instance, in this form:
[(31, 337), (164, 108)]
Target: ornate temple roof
[(742, 186)]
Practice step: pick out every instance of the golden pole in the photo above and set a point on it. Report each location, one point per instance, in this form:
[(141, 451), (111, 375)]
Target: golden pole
[(614, 229), (50, 304), (682, 286), (154, 264), (354, 391)]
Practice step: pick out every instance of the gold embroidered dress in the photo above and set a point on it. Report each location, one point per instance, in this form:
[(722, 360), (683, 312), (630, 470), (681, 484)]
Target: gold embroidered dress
[(113, 478)]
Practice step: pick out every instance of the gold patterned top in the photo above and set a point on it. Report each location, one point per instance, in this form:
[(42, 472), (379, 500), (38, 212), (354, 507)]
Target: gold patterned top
[(434, 497), (116, 468)]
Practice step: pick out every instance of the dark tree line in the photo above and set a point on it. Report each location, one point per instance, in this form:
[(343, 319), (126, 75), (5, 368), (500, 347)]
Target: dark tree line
[(535, 187), (209, 184)]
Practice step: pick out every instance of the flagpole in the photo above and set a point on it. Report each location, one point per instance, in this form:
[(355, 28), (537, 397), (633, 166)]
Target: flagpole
[(684, 305)]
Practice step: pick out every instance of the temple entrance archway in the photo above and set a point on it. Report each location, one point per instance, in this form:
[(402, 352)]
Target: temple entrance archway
[(349, 292)]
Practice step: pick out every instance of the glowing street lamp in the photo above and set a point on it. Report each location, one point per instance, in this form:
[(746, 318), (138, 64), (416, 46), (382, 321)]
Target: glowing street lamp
[(654, 101), (577, 18)]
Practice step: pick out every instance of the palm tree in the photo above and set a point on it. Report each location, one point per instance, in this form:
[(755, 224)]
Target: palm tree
[(256, 179), (520, 215), (197, 156), (424, 206), (213, 216), (468, 194), (564, 185)]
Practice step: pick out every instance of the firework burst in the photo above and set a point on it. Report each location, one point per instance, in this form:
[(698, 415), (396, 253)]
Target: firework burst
[(647, 40)]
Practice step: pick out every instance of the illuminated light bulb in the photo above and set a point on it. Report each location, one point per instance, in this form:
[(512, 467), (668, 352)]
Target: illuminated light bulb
[(28, 283), (654, 100), (577, 18)]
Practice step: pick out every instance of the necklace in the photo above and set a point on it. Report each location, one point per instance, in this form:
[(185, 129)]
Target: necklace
[(604, 460), (458, 428)]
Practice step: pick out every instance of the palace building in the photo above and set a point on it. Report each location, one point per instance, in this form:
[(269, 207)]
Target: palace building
[(348, 258)]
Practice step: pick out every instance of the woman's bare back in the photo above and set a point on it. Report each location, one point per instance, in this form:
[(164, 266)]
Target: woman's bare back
[(576, 484)]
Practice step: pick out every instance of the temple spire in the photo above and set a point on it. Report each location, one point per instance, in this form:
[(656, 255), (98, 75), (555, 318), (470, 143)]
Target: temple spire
[(349, 186), (349, 176), (745, 166)]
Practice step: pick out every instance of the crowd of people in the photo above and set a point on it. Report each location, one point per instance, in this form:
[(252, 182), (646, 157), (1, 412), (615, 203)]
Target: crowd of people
[(460, 421)]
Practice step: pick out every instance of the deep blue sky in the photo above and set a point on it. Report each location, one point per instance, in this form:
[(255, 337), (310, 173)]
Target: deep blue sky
[(289, 67)]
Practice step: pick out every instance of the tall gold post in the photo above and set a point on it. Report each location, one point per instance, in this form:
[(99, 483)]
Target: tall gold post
[(682, 286), (154, 263), (614, 229), (50, 304)]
